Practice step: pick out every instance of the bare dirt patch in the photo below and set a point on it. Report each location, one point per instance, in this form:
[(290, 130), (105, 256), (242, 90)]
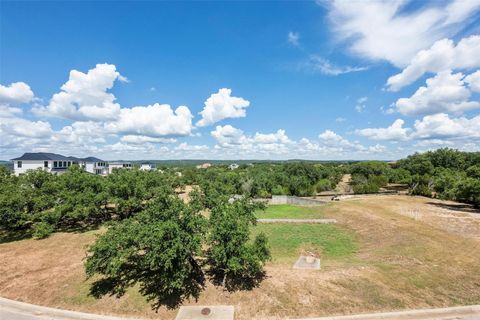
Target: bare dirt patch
[(343, 185), (412, 253)]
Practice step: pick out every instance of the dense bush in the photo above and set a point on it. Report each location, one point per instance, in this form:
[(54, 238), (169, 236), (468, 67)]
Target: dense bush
[(41, 230), (369, 176)]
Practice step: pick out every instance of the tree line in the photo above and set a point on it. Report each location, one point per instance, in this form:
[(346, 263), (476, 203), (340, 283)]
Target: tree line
[(445, 173)]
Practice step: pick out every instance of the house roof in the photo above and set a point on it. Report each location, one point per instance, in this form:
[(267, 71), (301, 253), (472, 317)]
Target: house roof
[(92, 159), (41, 156), (119, 162), (53, 156)]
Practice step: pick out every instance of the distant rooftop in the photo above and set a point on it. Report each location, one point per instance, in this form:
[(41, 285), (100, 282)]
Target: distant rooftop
[(119, 162), (54, 157)]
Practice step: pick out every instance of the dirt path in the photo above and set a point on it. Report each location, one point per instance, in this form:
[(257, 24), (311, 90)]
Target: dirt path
[(343, 185)]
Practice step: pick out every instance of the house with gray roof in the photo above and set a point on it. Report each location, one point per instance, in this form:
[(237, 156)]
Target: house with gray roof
[(119, 165), (57, 163)]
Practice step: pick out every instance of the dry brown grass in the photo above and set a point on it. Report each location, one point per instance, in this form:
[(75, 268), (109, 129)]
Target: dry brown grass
[(413, 252)]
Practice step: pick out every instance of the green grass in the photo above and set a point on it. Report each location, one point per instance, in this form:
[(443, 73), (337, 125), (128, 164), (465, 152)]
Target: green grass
[(281, 211), (286, 241)]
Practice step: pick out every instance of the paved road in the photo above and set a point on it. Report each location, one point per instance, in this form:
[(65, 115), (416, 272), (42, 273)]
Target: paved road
[(453, 313), (14, 310)]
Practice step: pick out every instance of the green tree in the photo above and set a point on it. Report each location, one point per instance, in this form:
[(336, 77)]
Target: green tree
[(129, 191), (417, 164), (469, 191), (40, 190), (13, 215), (156, 249), (235, 262), (82, 199), (473, 171)]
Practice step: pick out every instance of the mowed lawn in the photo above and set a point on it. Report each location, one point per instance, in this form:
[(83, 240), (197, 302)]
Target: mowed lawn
[(288, 241), (282, 211), (385, 253)]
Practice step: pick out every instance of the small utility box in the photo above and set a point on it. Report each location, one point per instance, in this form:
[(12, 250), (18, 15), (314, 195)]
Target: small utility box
[(205, 312), (307, 262)]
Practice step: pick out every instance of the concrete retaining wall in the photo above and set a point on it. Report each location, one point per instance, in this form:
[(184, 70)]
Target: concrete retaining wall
[(295, 200)]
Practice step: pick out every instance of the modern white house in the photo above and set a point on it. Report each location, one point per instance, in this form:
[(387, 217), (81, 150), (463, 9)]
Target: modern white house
[(57, 163), (233, 166), (204, 165), (147, 166), (119, 165)]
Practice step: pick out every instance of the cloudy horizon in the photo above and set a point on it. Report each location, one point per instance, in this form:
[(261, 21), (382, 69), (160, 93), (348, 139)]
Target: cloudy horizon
[(348, 81)]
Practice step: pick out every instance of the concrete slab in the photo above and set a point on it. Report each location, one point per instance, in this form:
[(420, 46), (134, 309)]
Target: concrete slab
[(205, 312), (304, 263)]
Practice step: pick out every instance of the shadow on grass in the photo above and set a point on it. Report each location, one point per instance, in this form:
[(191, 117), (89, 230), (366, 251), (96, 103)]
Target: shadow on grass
[(154, 287), (11, 236), (80, 228), (7, 236), (460, 207), (237, 283)]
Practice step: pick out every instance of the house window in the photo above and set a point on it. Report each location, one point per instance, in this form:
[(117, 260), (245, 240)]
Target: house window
[(64, 164), (19, 164), (45, 164), (55, 164)]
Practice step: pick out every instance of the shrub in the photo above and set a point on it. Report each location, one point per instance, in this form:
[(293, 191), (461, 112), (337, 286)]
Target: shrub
[(323, 185), (42, 230)]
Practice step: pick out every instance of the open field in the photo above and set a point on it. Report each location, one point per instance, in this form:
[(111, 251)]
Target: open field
[(385, 253), (287, 241)]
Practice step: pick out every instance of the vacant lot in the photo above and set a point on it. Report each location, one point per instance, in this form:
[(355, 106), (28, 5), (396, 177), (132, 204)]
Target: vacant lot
[(287, 241), (385, 253)]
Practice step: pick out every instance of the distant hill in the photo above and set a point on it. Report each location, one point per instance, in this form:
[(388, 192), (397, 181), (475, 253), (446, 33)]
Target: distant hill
[(7, 164)]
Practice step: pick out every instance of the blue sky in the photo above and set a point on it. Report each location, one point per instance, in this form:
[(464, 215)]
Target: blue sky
[(256, 80)]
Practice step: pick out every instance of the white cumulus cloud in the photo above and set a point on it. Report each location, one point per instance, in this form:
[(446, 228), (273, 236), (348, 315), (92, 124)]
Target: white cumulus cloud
[(393, 132), (228, 135), (446, 92), (133, 139), (85, 96), (473, 81), (158, 120), (17, 92), (443, 55), (441, 126), (279, 136), (222, 105), (383, 30)]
